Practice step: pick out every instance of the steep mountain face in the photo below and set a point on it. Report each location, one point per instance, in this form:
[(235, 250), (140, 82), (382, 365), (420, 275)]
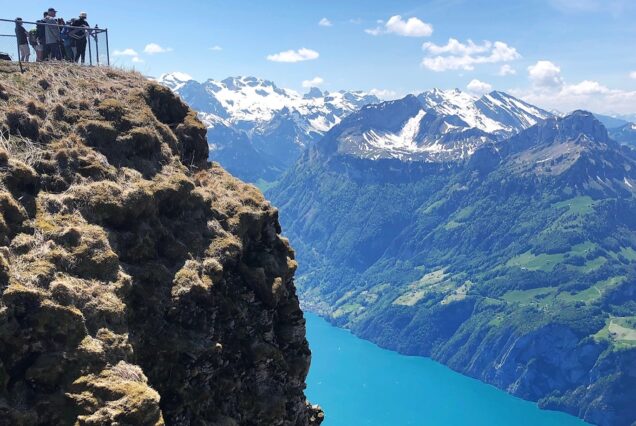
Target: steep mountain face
[(138, 283), (625, 134), (256, 129), (434, 126), (513, 261), (619, 129)]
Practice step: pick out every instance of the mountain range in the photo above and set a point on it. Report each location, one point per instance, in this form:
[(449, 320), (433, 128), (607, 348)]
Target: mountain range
[(505, 249), (435, 126), (258, 130)]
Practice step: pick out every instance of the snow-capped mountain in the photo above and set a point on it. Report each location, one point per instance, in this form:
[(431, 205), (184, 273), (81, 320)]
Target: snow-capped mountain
[(437, 125), (174, 81), (250, 117)]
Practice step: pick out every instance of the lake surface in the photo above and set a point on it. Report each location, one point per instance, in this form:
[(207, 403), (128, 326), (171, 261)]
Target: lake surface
[(358, 383)]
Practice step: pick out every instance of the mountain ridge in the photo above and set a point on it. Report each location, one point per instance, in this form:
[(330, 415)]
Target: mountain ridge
[(271, 123), (483, 262), (436, 126)]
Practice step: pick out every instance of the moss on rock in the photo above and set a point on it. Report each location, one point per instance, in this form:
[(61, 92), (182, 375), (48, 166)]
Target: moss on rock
[(138, 283)]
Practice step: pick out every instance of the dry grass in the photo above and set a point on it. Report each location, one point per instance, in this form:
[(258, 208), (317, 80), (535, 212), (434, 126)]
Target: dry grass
[(105, 191), (21, 148)]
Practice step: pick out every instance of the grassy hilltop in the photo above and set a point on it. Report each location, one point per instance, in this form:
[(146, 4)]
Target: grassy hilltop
[(138, 283)]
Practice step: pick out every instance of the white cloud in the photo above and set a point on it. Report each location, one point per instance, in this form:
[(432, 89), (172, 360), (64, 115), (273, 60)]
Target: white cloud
[(299, 55), (154, 48), (412, 27), (550, 90), (126, 52), (384, 94), (479, 87), (632, 75), (324, 22), (455, 47), (545, 75), (586, 87), (604, 101), (314, 82), (137, 60), (506, 70), (216, 48), (456, 55)]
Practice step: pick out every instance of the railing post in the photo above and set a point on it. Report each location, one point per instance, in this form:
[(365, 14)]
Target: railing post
[(90, 51), (96, 46), (107, 48)]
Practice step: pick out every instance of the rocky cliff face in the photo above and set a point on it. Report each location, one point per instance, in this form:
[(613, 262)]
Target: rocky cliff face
[(138, 283)]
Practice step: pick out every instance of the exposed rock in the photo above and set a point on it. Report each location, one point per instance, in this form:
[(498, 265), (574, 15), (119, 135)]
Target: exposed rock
[(138, 283)]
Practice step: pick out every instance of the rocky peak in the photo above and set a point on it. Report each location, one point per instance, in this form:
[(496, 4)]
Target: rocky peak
[(582, 124), (313, 93), (139, 284)]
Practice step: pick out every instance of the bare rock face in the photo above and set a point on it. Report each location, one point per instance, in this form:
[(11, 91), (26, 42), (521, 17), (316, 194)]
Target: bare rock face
[(138, 283)]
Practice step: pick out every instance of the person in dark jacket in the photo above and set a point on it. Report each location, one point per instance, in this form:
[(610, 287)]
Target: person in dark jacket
[(80, 36), (68, 43), (41, 38), (23, 40)]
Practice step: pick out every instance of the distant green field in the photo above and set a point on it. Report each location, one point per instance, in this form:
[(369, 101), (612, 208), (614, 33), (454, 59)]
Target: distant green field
[(629, 253), (346, 309), (619, 331), (578, 205), (532, 262), (591, 293), (583, 248), (452, 225), (528, 296), (590, 265)]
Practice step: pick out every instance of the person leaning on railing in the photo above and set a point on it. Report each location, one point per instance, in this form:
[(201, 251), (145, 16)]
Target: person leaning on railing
[(23, 40), (40, 29), (53, 38), (68, 44), (80, 35), (33, 41)]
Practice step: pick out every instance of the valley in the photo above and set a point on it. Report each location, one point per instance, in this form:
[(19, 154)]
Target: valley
[(484, 232)]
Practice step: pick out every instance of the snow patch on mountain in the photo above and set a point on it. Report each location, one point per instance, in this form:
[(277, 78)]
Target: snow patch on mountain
[(446, 125), (175, 80), (251, 104)]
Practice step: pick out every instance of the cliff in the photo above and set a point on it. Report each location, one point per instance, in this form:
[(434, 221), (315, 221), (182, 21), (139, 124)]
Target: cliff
[(139, 284)]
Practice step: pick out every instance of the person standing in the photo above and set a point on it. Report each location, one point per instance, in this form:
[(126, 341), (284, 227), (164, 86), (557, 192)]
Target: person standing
[(23, 40), (80, 35), (68, 43), (41, 38), (33, 41), (53, 38)]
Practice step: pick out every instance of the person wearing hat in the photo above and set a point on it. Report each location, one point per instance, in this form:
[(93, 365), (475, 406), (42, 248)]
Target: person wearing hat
[(23, 40), (80, 35), (53, 38)]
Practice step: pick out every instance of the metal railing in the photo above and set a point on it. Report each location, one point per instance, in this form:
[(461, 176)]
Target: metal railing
[(95, 38)]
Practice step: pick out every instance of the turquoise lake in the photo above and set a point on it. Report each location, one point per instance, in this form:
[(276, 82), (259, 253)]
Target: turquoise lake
[(358, 383)]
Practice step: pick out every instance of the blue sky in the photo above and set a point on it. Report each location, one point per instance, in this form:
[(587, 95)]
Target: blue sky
[(562, 54)]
